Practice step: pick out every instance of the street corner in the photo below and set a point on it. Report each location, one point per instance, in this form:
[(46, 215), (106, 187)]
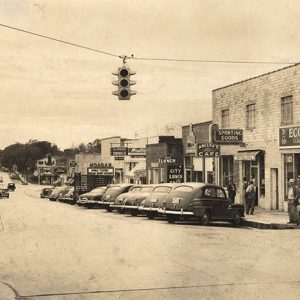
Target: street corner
[(7, 291)]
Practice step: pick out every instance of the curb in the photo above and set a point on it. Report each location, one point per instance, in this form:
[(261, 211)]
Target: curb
[(259, 225)]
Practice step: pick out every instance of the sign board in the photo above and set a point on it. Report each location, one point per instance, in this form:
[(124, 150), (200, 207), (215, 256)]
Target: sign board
[(100, 165), (119, 157), (175, 173), (208, 150), (228, 136), (101, 171), (289, 137), (167, 160), (60, 170), (72, 163), (15, 167), (118, 151), (36, 173), (137, 151)]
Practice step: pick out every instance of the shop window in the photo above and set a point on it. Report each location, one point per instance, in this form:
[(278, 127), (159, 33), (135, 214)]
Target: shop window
[(287, 110), (250, 116), (227, 170), (225, 118)]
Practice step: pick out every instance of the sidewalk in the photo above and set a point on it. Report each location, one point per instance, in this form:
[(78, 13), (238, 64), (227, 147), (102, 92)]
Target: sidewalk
[(269, 219)]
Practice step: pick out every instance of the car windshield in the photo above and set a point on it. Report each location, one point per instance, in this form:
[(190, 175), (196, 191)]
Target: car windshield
[(135, 189), (147, 189), (184, 188), (162, 189)]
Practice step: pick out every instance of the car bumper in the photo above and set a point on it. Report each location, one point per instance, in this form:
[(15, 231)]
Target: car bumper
[(154, 209), (81, 201), (175, 212)]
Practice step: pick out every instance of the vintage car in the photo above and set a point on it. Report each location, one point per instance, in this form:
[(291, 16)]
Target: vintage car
[(119, 202), (112, 192), (68, 197), (91, 198), (156, 199), (58, 193), (133, 202), (201, 201), (45, 192), (4, 193), (11, 186)]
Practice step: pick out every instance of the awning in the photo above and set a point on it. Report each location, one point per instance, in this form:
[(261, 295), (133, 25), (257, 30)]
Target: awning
[(138, 171), (246, 155)]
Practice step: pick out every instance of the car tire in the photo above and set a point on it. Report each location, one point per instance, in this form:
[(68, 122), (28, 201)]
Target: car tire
[(89, 206), (133, 213), (150, 216), (204, 220), (109, 209), (171, 219), (120, 211), (237, 221)]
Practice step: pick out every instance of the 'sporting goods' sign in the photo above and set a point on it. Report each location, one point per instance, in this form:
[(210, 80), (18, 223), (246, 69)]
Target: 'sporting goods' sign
[(229, 136), (175, 173), (101, 171), (289, 137), (208, 150)]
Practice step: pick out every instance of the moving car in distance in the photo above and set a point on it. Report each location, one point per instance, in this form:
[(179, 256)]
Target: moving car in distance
[(11, 186), (156, 199), (112, 192), (119, 202), (133, 202), (91, 198), (201, 201)]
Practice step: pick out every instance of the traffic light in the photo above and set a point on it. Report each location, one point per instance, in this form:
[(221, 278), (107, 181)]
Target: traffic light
[(123, 82)]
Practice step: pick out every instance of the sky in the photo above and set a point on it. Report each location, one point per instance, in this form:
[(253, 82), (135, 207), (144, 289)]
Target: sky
[(63, 94)]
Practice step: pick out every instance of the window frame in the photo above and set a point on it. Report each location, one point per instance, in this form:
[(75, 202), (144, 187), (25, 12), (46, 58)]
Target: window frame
[(289, 104), (251, 125), (225, 113)]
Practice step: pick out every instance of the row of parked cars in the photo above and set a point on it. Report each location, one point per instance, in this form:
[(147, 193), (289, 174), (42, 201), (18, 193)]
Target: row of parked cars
[(176, 201)]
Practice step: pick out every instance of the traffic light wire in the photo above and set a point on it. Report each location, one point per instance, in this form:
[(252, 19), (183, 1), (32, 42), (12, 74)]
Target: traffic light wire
[(148, 58)]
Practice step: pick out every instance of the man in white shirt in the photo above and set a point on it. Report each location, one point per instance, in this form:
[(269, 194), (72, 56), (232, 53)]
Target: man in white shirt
[(293, 201)]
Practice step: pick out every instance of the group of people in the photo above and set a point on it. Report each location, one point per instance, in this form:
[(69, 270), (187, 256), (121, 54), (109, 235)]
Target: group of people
[(249, 193)]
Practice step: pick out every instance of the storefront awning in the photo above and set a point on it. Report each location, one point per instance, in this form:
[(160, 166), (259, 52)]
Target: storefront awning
[(246, 155), (138, 171)]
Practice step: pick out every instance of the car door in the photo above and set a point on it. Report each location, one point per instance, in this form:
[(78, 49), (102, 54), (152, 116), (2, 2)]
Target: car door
[(222, 203)]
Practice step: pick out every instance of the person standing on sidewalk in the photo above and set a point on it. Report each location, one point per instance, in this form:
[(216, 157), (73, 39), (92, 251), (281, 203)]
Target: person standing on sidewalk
[(250, 197), (293, 202), (245, 185), (231, 188)]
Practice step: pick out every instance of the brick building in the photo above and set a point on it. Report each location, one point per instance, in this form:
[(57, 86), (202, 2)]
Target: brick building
[(197, 169), (164, 160), (267, 109)]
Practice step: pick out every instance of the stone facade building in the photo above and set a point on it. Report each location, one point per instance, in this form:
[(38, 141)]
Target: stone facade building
[(267, 109)]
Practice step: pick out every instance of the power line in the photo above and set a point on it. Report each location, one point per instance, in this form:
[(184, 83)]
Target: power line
[(58, 40), (149, 58)]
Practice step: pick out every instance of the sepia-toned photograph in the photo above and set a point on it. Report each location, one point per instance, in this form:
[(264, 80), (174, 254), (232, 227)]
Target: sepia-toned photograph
[(149, 149)]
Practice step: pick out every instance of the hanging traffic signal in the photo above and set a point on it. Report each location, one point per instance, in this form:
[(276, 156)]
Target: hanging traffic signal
[(123, 82)]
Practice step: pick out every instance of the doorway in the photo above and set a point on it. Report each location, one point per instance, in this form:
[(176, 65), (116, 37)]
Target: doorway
[(274, 188)]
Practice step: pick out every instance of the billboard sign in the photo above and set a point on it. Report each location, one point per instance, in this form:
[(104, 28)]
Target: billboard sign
[(228, 136), (101, 171)]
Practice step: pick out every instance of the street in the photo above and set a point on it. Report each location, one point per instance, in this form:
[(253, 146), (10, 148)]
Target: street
[(51, 250)]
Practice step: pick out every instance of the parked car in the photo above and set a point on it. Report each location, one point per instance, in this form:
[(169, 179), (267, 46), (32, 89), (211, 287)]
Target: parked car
[(201, 201), (58, 192), (119, 202), (13, 176), (65, 190), (113, 191), (91, 198), (11, 186), (4, 193), (133, 202), (45, 192), (156, 199), (68, 197)]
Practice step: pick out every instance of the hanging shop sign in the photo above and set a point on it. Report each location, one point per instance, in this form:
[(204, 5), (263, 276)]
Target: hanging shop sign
[(289, 137), (118, 151), (208, 150), (175, 173), (101, 171), (228, 136), (60, 170), (167, 160)]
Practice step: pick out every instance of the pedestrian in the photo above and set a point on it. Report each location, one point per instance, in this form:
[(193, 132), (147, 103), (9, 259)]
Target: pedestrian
[(293, 202), (245, 185), (231, 188), (250, 197)]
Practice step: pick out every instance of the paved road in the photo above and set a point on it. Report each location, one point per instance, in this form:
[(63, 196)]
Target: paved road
[(51, 250)]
